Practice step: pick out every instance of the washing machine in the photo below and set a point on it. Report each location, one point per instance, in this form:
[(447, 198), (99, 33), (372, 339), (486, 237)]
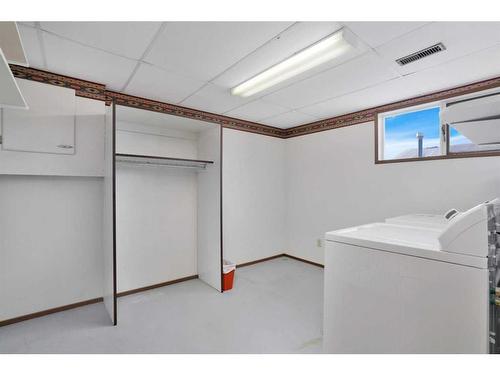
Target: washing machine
[(432, 220), (397, 288)]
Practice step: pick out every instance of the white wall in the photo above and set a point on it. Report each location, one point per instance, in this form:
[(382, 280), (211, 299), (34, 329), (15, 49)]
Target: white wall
[(254, 196), (156, 221), (332, 182), (155, 225), (50, 242), (134, 138)]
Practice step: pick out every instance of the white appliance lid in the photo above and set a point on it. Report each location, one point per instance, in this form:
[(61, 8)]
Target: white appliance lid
[(420, 220), (403, 239)]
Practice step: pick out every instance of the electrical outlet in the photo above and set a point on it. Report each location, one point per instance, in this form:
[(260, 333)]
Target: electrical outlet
[(319, 242)]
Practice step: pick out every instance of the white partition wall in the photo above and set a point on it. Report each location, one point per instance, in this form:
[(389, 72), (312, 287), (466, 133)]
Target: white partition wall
[(254, 203), (109, 247), (209, 209)]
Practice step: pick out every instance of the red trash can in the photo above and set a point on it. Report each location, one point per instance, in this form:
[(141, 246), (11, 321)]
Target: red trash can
[(228, 275)]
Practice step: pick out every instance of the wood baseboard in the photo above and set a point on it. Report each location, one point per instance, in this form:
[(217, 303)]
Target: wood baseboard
[(259, 261), (304, 260), (279, 256), (138, 290), (154, 286), (49, 311), (89, 302)]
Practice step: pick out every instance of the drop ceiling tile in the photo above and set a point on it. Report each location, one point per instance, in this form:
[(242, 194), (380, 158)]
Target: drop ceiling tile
[(468, 69), (214, 98), (160, 84), (384, 93), (205, 49), (359, 73), (31, 45), (378, 33), (289, 119), (297, 37), (257, 110), (459, 38), (75, 60), (128, 39)]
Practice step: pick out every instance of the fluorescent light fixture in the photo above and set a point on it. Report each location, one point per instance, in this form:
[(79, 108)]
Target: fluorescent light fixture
[(319, 53)]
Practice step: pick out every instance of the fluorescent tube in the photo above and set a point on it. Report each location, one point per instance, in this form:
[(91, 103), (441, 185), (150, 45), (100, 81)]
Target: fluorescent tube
[(325, 50)]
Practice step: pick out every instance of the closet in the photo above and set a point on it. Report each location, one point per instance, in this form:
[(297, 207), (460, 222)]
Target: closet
[(166, 180), (100, 201)]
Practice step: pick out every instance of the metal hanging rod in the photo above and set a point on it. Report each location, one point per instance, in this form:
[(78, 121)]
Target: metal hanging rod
[(162, 161)]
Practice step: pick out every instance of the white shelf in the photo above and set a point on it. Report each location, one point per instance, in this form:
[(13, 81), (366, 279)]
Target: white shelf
[(162, 161)]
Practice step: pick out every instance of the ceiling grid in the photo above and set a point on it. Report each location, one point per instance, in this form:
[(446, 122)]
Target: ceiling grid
[(195, 64)]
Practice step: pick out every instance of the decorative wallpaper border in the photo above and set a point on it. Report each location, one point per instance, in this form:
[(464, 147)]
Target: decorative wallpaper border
[(83, 88), (98, 91), (369, 114), (172, 109)]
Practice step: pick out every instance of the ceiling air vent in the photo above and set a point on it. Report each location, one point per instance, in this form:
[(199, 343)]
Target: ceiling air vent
[(421, 54)]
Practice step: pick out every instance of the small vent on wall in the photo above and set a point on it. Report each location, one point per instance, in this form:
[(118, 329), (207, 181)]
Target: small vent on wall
[(421, 54)]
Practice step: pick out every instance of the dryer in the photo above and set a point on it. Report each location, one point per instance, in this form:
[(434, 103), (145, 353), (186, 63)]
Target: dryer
[(392, 288), (431, 220)]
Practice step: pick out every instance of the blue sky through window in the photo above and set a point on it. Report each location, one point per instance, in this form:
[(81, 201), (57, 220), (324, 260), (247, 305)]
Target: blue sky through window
[(400, 132)]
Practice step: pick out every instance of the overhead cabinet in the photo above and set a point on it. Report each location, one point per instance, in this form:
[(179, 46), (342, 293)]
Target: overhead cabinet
[(49, 124)]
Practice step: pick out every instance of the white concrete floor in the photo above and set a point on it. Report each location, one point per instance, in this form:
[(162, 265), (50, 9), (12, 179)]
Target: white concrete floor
[(275, 307)]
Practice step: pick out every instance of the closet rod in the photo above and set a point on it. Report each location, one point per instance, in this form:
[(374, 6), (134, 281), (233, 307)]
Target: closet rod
[(162, 161)]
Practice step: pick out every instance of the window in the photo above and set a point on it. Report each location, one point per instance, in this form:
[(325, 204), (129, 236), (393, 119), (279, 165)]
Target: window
[(404, 132), (461, 127), (460, 143)]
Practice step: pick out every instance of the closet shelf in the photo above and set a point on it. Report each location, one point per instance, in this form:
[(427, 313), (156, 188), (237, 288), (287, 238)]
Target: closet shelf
[(162, 161)]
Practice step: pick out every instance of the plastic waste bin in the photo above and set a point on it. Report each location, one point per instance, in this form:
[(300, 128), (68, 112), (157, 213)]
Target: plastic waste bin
[(228, 275)]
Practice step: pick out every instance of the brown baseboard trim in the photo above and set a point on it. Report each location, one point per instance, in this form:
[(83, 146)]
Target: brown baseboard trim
[(259, 261), (279, 256), (304, 260), (138, 290), (90, 301), (144, 288), (49, 311)]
